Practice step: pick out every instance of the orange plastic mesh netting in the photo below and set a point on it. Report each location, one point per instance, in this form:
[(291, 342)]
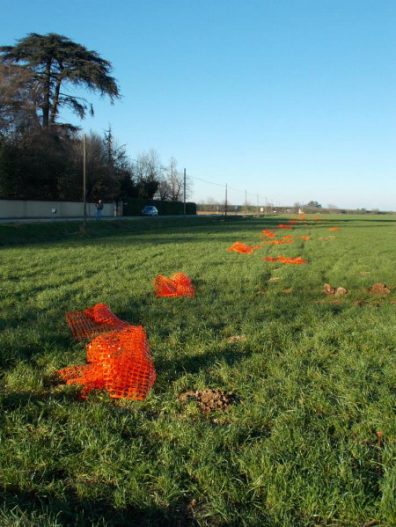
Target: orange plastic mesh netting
[(178, 284), (268, 233), (285, 260), (282, 241), (93, 321), (284, 226), (119, 362), (239, 247)]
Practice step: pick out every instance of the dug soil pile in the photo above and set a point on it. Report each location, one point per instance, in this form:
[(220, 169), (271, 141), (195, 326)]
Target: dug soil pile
[(209, 400)]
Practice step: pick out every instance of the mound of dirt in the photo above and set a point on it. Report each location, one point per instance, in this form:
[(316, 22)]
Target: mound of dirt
[(379, 289), (209, 400), (330, 290), (236, 338)]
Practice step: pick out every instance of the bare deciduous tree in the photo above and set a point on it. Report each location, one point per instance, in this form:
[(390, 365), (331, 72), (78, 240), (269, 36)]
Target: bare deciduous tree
[(147, 171), (171, 187)]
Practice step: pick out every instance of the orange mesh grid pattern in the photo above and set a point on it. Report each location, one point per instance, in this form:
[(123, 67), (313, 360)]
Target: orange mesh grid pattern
[(93, 321), (239, 247), (118, 362), (268, 234), (283, 259), (284, 226), (178, 284), (281, 241)]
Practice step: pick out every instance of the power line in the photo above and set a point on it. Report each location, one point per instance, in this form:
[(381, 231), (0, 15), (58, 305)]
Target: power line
[(207, 182)]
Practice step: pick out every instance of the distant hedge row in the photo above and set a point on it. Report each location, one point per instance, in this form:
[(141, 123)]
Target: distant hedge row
[(134, 206)]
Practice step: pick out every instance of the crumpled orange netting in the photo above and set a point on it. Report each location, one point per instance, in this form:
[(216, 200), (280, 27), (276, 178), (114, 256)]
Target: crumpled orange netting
[(284, 226), (239, 247), (93, 321), (119, 362), (178, 284), (285, 260), (268, 234)]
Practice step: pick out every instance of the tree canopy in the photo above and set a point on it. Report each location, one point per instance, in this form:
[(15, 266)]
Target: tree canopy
[(314, 204), (51, 63)]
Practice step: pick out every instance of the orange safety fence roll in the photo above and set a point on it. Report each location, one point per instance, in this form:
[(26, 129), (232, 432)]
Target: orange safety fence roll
[(178, 284), (285, 260), (93, 321), (239, 247), (268, 234), (119, 362)]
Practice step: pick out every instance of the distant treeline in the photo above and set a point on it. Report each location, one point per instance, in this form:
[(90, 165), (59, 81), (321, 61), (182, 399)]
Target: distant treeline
[(272, 209), (47, 164)]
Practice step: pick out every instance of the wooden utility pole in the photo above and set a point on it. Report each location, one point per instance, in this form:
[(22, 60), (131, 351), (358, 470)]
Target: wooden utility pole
[(184, 193), (85, 180)]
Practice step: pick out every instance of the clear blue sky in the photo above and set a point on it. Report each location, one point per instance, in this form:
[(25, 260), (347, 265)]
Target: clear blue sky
[(293, 100)]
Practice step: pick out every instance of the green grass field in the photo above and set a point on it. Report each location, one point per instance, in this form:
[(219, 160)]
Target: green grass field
[(314, 377)]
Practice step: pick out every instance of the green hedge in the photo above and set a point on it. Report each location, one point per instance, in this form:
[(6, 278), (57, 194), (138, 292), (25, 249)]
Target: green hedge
[(134, 206)]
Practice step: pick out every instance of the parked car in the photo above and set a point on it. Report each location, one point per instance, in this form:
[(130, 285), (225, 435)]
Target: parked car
[(150, 210)]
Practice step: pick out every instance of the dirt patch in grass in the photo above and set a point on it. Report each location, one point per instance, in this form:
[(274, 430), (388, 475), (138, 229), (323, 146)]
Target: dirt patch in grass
[(379, 289), (236, 339), (336, 291), (328, 289), (209, 400)]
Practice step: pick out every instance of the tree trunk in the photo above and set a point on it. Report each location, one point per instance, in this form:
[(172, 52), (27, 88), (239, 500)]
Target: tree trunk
[(55, 104), (47, 94)]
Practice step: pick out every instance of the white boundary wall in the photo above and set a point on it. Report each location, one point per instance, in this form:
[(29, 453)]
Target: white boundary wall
[(16, 209)]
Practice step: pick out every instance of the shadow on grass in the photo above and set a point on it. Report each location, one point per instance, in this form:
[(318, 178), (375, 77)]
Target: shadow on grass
[(20, 350), (170, 370), (12, 235), (72, 510), (15, 400)]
